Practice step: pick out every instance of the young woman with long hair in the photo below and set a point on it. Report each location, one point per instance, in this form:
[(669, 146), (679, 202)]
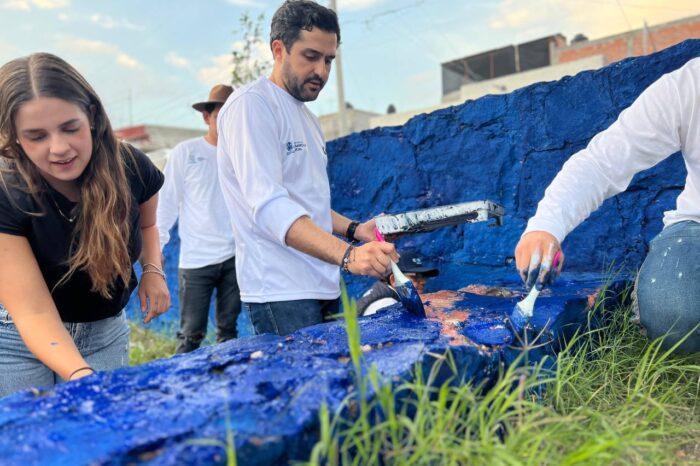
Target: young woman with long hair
[(77, 209)]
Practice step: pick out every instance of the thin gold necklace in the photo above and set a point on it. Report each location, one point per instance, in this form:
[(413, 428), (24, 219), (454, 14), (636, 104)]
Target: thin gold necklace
[(69, 219)]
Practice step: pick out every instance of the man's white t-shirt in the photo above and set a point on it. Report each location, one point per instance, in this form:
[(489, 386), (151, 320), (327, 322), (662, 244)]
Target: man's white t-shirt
[(191, 193), (664, 119), (272, 171)]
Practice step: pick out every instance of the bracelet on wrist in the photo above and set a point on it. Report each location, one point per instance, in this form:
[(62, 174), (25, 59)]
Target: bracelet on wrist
[(350, 233), (157, 272), (345, 262), (85, 368), (152, 265)]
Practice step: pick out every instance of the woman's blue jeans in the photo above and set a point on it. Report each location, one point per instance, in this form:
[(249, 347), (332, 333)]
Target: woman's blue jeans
[(104, 344), (668, 287)]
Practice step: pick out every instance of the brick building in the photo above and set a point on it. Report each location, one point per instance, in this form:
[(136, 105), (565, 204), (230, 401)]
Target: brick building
[(554, 50), (549, 58), (631, 44)]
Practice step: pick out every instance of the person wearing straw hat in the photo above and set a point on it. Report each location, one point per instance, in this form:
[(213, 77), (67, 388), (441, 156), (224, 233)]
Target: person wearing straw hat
[(191, 194)]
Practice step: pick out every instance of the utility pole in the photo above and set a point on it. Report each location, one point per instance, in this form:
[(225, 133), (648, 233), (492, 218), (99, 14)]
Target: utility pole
[(645, 41), (342, 122)]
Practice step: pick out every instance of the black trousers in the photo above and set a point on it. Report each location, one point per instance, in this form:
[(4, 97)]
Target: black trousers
[(195, 290)]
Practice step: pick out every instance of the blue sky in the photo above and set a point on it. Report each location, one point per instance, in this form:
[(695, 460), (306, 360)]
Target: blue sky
[(167, 54)]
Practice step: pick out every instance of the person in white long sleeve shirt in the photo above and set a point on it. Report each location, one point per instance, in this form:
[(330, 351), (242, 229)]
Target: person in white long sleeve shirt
[(663, 120), (272, 170), (191, 194)]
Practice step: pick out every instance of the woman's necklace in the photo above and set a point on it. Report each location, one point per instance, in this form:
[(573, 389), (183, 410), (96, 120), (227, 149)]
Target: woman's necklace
[(68, 218)]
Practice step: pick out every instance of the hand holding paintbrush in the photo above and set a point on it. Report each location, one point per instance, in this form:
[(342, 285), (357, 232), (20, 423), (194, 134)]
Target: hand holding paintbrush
[(404, 287), (524, 310)]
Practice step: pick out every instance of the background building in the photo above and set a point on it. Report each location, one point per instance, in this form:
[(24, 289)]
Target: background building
[(156, 141), (506, 69)]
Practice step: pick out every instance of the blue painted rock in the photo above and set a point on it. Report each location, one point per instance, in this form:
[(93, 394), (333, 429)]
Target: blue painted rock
[(266, 389)]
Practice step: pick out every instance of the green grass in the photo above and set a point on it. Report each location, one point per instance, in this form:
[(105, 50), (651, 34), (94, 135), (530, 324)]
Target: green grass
[(614, 398), (146, 345)]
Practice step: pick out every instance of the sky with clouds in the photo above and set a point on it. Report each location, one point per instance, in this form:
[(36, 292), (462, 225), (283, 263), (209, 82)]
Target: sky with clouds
[(150, 59)]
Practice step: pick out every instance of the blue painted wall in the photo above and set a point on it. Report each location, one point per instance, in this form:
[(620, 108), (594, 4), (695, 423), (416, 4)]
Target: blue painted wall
[(506, 148)]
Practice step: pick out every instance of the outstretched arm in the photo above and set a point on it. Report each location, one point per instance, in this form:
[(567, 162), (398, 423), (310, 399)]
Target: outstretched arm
[(643, 135), (24, 293)]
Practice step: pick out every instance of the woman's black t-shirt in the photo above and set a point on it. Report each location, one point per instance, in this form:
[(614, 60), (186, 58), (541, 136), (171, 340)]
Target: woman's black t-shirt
[(50, 237)]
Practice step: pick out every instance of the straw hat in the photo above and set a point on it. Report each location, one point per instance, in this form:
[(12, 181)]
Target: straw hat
[(217, 95)]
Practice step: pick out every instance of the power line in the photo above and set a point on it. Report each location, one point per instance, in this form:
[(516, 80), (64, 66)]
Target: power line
[(622, 10), (368, 21)]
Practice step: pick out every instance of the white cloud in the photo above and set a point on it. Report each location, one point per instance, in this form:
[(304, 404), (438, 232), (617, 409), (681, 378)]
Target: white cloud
[(82, 45), (23, 5), (357, 4), (51, 4), (108, 22), (252, 3), (595, 18), (422, 77), (219, 71), (511, 16), (127, 61), (26, 5), (221, 66), (172, 58)]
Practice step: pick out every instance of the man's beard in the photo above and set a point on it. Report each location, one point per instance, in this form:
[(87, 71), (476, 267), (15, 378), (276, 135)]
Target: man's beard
[(296, 87)]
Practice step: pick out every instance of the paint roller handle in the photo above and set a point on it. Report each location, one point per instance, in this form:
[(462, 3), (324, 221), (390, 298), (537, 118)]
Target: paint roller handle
[(378, 235)]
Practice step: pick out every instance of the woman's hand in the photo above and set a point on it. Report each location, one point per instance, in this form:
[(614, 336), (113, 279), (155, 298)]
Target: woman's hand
[(154, 295), (533, 258)]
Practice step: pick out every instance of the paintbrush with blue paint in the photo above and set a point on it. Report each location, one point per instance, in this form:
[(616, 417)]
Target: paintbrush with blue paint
[(523, 311), (404, 286)]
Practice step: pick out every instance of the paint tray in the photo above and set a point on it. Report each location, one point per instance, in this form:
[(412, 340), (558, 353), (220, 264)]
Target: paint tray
[(418, 221)]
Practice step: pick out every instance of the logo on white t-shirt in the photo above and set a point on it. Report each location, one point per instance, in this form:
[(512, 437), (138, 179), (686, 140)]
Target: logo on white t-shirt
[(295, 146), (193, 158)]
